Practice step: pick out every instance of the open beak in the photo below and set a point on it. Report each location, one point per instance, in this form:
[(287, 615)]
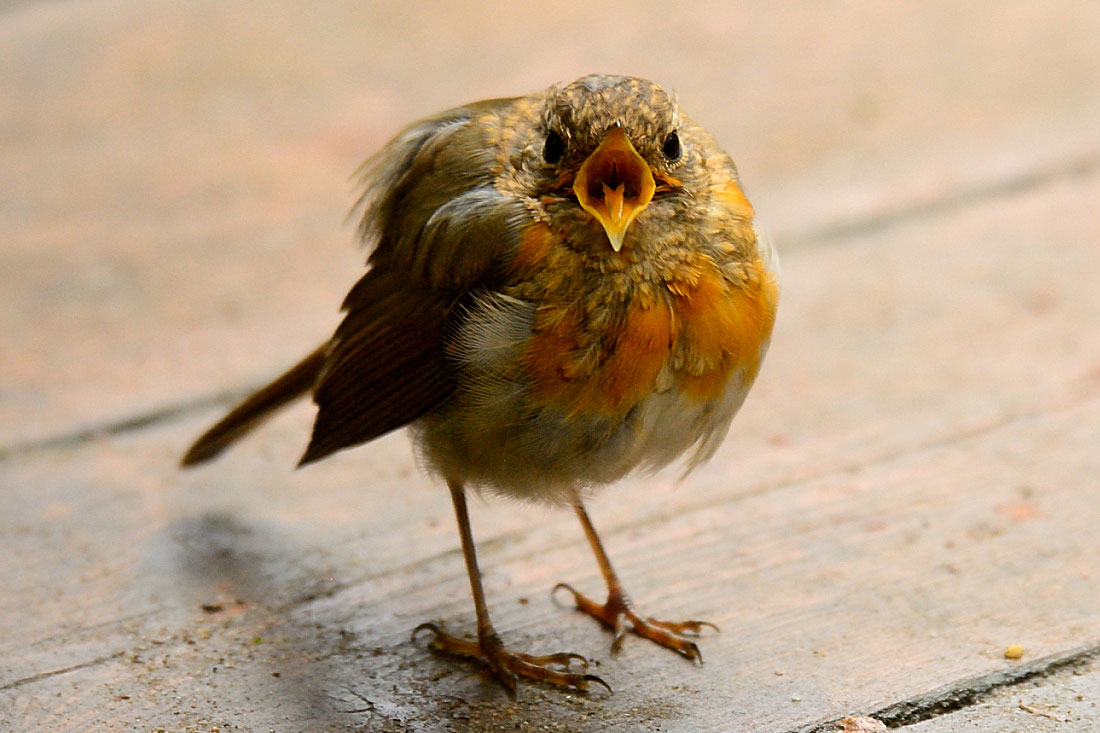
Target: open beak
[(614, 184)]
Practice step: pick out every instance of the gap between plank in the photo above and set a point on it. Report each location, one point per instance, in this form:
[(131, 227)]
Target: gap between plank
[(63, 670), (969, 691), (124, 425), (1082, 166)]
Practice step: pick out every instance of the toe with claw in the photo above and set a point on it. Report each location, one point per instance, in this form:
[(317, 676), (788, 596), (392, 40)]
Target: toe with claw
[(509, 666), (618, 614)]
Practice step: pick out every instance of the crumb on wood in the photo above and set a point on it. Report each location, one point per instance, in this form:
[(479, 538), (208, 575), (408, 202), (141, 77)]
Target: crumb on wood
[(861, 724)]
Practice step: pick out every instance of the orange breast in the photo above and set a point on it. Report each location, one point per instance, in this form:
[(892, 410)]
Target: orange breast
[(723, 327), (589, 355), (534, 246), (710, 327), (600, 372)]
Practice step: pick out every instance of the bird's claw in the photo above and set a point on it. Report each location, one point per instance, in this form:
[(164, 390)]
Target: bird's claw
[(618, 614), (509, 665)]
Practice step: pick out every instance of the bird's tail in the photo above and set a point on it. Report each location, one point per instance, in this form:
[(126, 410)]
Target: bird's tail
[(257, 408)]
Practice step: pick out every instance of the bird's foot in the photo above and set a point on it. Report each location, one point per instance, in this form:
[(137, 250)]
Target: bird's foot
[(509, 666), (619, 615)]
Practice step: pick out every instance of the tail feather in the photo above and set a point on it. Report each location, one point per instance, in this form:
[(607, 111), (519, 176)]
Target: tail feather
[(257, 408)]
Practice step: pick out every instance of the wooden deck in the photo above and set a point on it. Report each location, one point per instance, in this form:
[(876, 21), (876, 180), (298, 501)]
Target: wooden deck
[(912, 487)]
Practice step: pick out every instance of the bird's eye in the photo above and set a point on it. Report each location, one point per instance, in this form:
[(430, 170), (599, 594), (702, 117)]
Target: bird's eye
[(554, 148), (671, 147)]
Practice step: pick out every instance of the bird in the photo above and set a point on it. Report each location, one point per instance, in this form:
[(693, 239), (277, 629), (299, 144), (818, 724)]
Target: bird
[(561, 289)]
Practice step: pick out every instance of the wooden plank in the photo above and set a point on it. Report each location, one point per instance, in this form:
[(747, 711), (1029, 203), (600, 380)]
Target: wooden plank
[(911, 487), (881, 525)]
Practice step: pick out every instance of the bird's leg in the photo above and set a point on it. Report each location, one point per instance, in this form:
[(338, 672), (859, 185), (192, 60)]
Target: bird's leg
[(505, 663), (618, 611)]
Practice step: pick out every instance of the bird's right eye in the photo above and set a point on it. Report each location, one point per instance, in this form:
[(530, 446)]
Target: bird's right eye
[(554, 148)]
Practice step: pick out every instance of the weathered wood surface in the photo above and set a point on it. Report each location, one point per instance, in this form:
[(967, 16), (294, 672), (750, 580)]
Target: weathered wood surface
[(913, 486)]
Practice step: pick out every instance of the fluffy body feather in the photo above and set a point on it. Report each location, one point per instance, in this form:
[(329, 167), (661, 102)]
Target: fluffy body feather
[(532, 359)]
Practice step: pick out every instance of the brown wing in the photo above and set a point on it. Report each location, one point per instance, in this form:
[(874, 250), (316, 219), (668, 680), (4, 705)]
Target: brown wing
[(386, 365), (439, 228)]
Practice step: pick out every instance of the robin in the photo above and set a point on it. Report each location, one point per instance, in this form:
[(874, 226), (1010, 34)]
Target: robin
[(562, 288)]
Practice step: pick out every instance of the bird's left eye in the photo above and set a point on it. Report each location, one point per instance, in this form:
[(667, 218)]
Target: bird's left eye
[(671, 147), (554, 148)]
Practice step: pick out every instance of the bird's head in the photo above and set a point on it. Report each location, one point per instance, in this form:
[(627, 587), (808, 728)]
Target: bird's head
[(608, 148)]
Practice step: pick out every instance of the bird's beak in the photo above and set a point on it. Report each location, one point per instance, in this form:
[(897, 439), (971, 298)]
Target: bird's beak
[(614, 184)]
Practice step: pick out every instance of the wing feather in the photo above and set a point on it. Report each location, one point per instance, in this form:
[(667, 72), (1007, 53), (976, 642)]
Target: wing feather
[(440, 231)]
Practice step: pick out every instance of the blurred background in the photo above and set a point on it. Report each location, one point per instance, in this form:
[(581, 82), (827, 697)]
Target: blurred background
[(911, 487), (176, 175)]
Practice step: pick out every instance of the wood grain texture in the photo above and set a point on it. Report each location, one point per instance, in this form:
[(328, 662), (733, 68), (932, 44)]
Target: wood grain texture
[(911, 487)]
